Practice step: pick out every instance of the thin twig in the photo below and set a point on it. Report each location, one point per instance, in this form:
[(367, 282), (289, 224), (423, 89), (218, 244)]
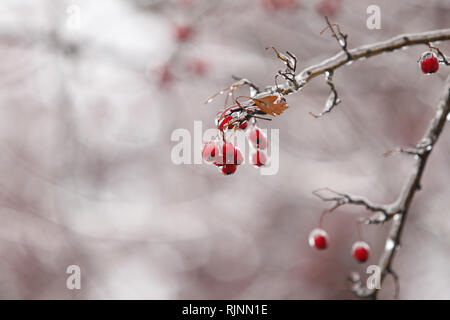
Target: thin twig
[(382, 212), (333, 99), (340, 37)]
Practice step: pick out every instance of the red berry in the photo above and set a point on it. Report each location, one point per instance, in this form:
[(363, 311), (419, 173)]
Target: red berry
[(165, 76), (243, 125), (360, 251), (224, 123), (257, 139), (272, 5), (210, 151), (228, 149), (238, 158), (318, 239), (429, 62), (228, 169), (197, 66), (259, 158), (183, 32), (328, 7), (231, 154)]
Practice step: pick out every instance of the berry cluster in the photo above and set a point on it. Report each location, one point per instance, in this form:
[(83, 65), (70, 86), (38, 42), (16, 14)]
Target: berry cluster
[(318, 238), (226, 156)]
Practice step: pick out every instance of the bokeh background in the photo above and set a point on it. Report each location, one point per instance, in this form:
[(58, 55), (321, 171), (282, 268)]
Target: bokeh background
[(90, 93)]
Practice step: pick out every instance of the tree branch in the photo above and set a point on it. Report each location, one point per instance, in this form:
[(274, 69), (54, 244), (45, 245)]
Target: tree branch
[(412, 185), (398, 210), (366, 51)]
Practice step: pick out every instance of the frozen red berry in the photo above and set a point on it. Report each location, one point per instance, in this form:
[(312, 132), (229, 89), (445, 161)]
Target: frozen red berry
[(228, 169), (231, 154), (429, 62), (259, 158), (228, 150), (318, 238), (243, 125), (360, 251), (237, 157), (183, 32), (210, 151), (257, 139), (224, 123)]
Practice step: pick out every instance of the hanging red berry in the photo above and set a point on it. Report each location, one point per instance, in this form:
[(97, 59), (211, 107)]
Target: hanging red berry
[(238, 158), (360, 251), (210, 151), (243, 125), (259, 158), (225, 123), (228, 169), (257, 139), (318, 238), (231, 154), (228, 153), (429, 62)]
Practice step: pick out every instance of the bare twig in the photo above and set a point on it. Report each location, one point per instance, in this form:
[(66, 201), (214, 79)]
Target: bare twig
[(290, 60), (340, 37), (254, 90), (333, 99), (382, 212), (443, 58)]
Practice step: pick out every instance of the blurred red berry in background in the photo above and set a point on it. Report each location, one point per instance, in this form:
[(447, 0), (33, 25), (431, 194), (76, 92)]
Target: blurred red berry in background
[(197, 66), (183, 32), (328, 8), (273, 5)]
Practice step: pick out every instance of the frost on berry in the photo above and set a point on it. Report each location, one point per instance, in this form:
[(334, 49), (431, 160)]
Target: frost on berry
[(360, 251), (429, 62), (318, 238)]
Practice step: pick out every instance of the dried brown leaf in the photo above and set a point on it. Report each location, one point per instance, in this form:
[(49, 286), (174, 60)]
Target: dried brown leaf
[(271, 104)]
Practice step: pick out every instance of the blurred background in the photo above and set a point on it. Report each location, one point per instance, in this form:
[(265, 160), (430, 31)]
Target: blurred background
[(91, 92)]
